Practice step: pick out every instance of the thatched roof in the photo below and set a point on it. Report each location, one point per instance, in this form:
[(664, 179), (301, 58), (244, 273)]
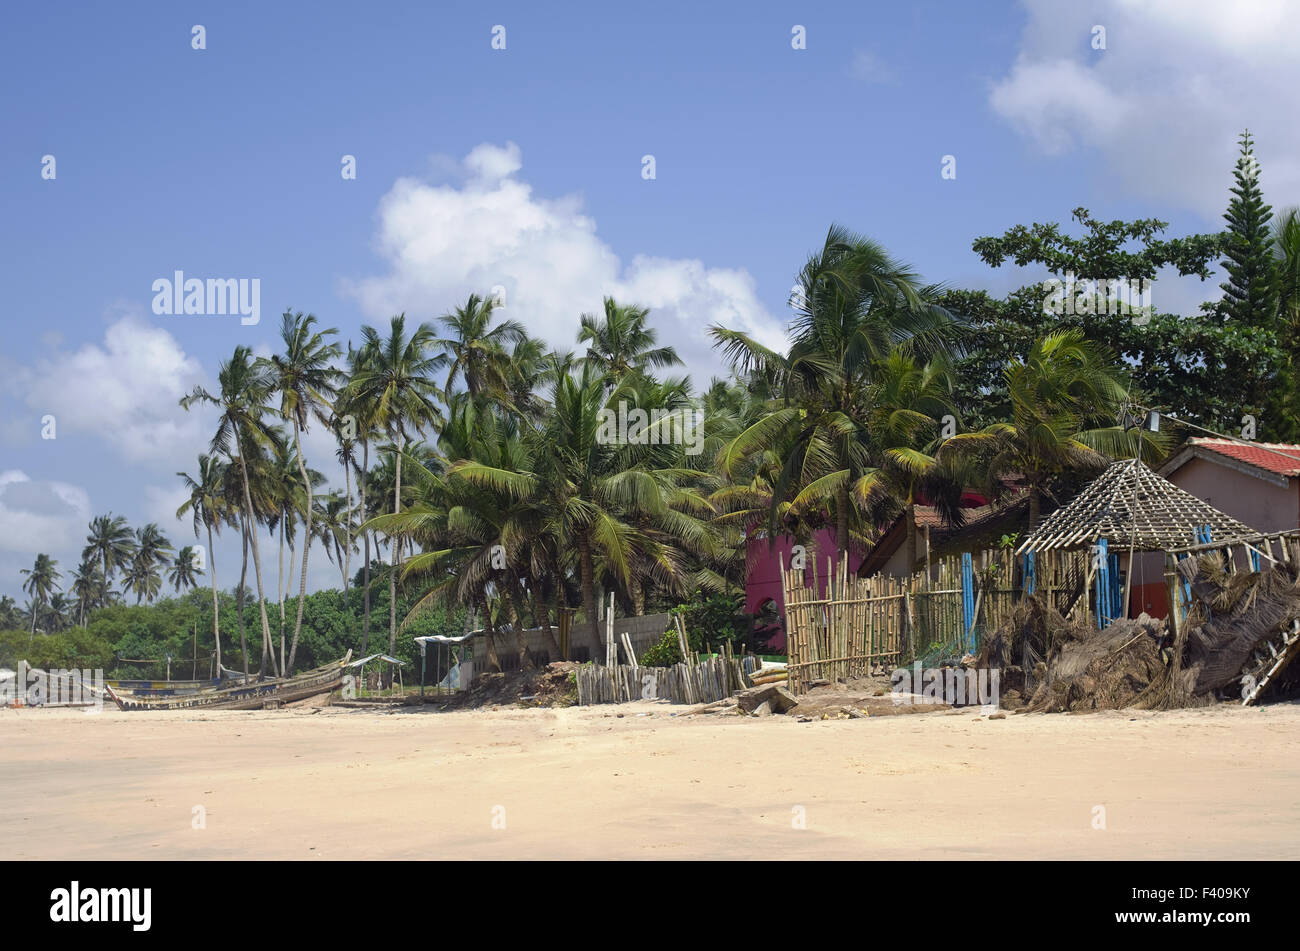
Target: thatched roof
[(1129, 504)]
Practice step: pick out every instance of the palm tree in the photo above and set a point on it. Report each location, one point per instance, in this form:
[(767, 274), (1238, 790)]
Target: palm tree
[(476, 351), (854, 306), (359, 409), (335, 520), (208, 506), (394, 381), (1065, 395), (88, 588), (42, 581), (305, 379), (244, 387), (574, 477), (908, 401), (152, 545), (620, 343), (59, 612), (1286, 254), (346, 454), (183, 573), (142, 579), (112, 542)]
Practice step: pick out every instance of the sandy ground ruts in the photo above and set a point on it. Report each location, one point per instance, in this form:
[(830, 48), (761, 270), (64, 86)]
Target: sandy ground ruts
[(586, 783)]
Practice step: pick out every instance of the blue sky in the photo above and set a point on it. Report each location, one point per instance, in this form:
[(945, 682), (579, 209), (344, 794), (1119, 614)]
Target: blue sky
[(523, 167)]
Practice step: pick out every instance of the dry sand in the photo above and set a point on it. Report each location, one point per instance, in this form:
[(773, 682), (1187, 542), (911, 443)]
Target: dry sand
[(586, 783)]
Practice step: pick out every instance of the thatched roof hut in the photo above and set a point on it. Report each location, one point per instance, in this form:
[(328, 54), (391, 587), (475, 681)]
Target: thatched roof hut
[(1132, 506)]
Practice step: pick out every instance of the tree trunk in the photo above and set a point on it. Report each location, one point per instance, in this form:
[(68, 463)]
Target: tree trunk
[(637, 592), (306, 550), (212, 569), (397, 548), (239, 606), (542, 618), (589, 598), (279, 580), (1035, 506), (842, 520), (910, 516), (257, 555), (347, 527), (515, 598), (490, 630), (365, 594)]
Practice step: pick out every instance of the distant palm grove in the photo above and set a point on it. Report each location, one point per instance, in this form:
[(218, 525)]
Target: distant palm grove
[(477, 484)]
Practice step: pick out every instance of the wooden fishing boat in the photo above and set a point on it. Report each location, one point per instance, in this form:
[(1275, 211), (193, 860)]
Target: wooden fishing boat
[(243, 696), (163, 688)]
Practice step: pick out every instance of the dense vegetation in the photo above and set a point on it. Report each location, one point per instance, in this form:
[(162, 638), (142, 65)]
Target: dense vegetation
[(484, 482)]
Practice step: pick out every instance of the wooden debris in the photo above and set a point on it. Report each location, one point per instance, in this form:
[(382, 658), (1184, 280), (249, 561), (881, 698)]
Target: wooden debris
[(778, 699)]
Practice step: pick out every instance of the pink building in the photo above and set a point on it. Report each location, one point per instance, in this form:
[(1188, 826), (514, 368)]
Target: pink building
[(1255, 483), (763, 579)]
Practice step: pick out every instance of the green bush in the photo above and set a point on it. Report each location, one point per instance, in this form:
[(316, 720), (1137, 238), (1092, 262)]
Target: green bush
[(664, 654), (712, 619)]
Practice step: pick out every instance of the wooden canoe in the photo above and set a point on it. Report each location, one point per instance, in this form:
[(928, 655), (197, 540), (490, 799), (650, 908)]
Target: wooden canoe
[(247, 696)]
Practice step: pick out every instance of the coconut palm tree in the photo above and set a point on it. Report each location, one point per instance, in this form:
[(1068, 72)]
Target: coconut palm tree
[(346, 454), (42, 581), (394, 381), (854, 306), (59, 613), (574, 478), (335, 518), (358, 410), (619, 342), (152, 545), (209, 509), (87, 587), (142, 578), (1065, 396), (244, 389), (1286, 255), (306, 381), (183, 572), (475, 351), (112, 542)]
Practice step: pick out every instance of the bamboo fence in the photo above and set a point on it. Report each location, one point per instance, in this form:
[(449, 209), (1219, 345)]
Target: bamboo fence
[(857, 624)]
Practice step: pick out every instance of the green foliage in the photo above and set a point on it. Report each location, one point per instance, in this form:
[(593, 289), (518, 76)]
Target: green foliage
[(332, 622), (711, 619), (664, 654)]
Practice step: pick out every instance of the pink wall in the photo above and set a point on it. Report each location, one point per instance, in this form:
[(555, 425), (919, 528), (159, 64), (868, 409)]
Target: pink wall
[(763, 582), (1261, 505)]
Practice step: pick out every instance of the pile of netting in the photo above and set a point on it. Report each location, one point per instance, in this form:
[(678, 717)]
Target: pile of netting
[(1058, 664)]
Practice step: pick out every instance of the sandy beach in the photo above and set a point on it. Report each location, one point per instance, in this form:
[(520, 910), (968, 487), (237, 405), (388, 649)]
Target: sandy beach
[(646, 781)]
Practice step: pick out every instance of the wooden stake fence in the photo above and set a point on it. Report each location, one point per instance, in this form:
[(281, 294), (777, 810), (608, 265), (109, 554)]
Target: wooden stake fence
[(715, 678)]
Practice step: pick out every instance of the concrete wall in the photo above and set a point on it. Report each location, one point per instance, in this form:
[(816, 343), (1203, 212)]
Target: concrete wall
[(644, 632)]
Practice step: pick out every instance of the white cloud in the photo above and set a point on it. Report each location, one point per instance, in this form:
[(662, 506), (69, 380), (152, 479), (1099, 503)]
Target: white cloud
[(1165, 101), (48, 516), (123, 390), (442, 242)]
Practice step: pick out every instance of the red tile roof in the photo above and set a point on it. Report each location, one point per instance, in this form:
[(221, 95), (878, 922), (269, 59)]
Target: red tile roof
[(1270, 456)]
